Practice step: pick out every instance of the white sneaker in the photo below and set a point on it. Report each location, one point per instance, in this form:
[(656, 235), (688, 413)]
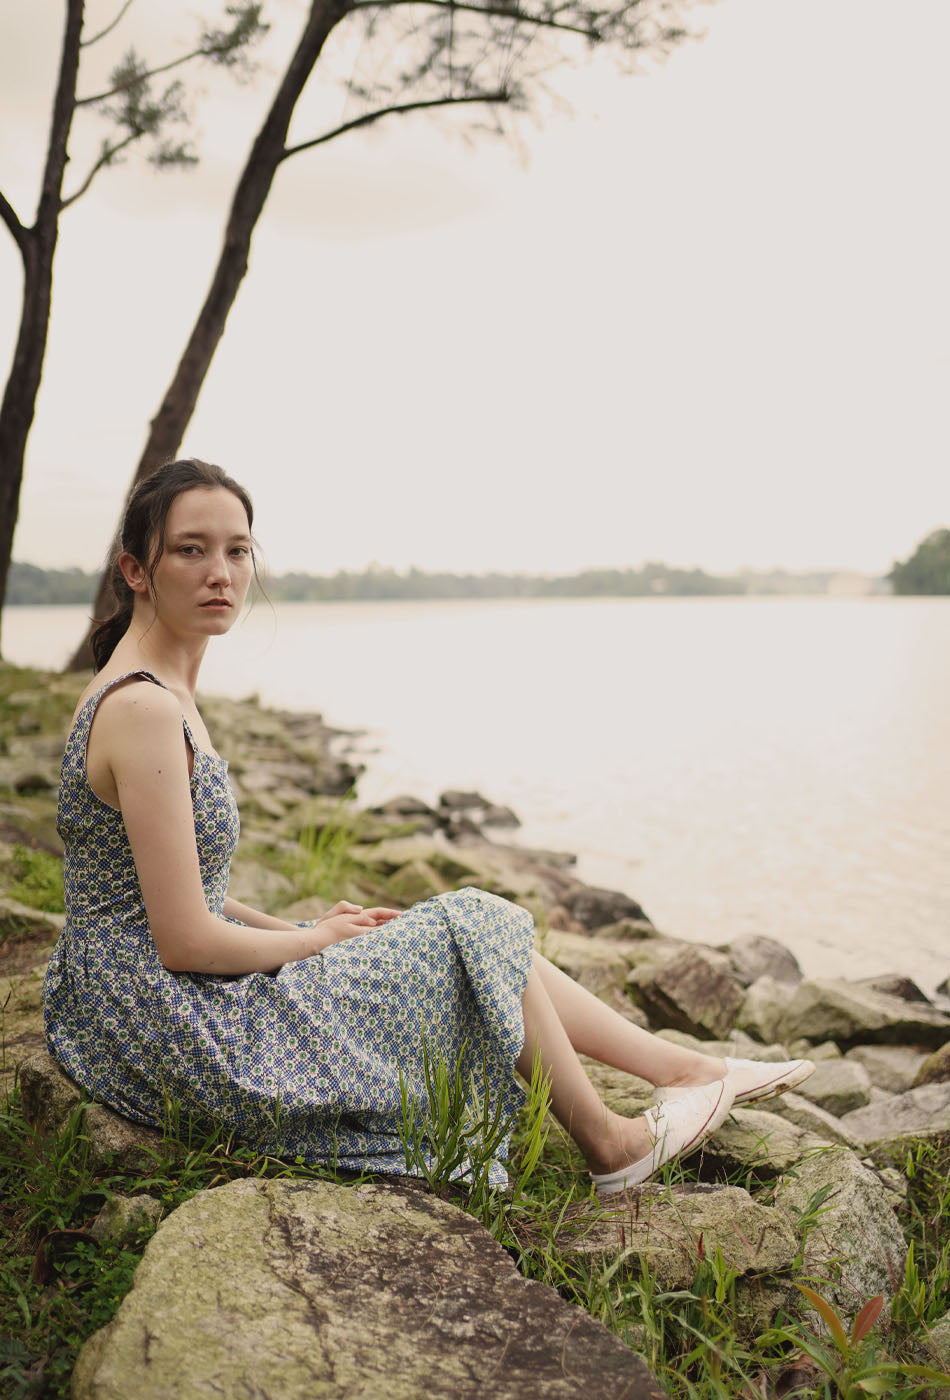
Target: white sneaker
[(675, 1127), (752, 1080)]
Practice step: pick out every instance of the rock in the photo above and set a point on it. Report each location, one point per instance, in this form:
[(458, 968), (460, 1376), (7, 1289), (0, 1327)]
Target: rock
[(938, 1346), (623, 1093), (919, 1113), (763, 1007), (890, 1067), (414, 882), (454, 800), (838, 1086), (304, 1289), (595, 907), (853, 1240), (760, 1142), (412, 808), (753, 956), (496, 815), (118, 1145), (22, 1034), (254, 883), (892, 984), (305, 911), (123, 1218), (739, 1045), (21, 921), (694, 991), (669, 1230), (804, 1050), (935, 1068), (796, 1109), (943, 988), (47, 1094), (635, 929), (851, 1014)]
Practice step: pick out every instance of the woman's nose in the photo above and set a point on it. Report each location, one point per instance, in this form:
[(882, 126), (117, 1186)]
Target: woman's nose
[(219, 569)]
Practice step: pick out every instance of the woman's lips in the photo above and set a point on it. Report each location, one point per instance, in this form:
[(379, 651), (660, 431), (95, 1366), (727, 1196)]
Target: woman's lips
[(216, 603)]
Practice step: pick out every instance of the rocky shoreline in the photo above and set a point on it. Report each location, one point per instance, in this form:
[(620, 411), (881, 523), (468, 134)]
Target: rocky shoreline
[(881, 1088)]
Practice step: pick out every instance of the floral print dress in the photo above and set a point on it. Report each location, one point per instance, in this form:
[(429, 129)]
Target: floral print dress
[(309, 1062)]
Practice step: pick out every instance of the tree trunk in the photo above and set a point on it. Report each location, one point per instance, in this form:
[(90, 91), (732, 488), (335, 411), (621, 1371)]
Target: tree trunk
[(37, 247), (169, 424)]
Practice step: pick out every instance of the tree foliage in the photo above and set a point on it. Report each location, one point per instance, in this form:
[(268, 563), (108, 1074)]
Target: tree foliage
[(928, 568), (137, 108), (414, 55)]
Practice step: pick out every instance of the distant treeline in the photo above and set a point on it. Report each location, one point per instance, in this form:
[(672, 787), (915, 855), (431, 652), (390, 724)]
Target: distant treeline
[(928, 568), (31, 585)]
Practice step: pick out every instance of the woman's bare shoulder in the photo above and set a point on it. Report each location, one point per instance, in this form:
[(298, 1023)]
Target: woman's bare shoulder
[(137, 704)]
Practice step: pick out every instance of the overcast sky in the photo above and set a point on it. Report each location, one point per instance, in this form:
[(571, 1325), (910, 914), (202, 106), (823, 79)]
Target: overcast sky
[(704, 319)]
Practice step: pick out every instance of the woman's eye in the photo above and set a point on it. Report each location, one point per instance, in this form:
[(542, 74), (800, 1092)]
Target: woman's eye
[(188, 549), (240, 551)]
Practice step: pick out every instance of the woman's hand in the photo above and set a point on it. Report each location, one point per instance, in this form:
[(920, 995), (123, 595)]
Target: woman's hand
[(346, 920)]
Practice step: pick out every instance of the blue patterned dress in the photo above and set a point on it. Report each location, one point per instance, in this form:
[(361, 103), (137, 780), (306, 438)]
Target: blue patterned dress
[(302, 1063)]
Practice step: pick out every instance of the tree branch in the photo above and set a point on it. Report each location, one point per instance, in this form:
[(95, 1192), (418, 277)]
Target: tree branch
[(86, 43), (104, 159), (144, 77), (10, 217), (499, 11), (369, 117)]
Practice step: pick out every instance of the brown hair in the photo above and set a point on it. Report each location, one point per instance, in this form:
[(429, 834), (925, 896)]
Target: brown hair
[(143, 536)]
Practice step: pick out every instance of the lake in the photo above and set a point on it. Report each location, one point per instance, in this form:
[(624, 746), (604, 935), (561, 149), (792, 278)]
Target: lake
[(739, 765)]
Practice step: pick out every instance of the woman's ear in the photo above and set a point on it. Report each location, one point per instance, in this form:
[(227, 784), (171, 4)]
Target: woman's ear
[(133, 573)]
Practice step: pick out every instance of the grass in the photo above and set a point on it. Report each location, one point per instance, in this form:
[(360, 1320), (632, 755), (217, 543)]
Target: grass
[(35, 878), (57, 1286)]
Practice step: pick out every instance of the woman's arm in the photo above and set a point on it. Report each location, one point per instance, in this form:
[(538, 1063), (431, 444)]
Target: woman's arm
[(140, 733)]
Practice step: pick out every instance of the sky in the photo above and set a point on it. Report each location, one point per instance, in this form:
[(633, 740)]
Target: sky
[(696, 314)]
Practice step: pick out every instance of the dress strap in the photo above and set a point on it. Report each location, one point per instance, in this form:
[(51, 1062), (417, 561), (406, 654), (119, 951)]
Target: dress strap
[(85, 716)]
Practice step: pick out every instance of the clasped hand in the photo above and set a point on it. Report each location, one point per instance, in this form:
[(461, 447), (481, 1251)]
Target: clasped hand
[(347, 920)]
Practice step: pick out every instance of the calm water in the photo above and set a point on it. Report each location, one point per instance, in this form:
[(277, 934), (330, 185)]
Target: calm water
[(777, 766)]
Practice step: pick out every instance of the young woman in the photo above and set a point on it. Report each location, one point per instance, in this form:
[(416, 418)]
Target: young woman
[(162, 987)]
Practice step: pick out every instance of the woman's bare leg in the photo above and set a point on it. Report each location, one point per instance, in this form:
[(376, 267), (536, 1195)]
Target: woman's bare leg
[(607, 1140), (595, 1029)]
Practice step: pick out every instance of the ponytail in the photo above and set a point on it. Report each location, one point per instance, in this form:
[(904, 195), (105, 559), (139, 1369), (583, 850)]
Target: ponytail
[(108, 632)]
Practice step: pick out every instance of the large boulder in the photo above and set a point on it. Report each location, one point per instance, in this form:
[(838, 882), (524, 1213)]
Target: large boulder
[(853, 1241), (763, 1007), (753, 956), (764, 1144), (592, 908), (796, 1109), (303, 1289), (671, 1229), (920, 1113), (890, 1067), (838, 1086), (49, 1097), (850, 1014), (695, 991), (21, 1021)]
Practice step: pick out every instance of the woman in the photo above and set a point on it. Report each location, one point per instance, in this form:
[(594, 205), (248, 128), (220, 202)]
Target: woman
[(163, 988)]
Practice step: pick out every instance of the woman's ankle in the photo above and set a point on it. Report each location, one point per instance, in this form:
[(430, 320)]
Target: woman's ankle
[(702, 1069), (623, 1141)]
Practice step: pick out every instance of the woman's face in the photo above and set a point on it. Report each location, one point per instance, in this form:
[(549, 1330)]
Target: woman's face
[(201, 579)]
